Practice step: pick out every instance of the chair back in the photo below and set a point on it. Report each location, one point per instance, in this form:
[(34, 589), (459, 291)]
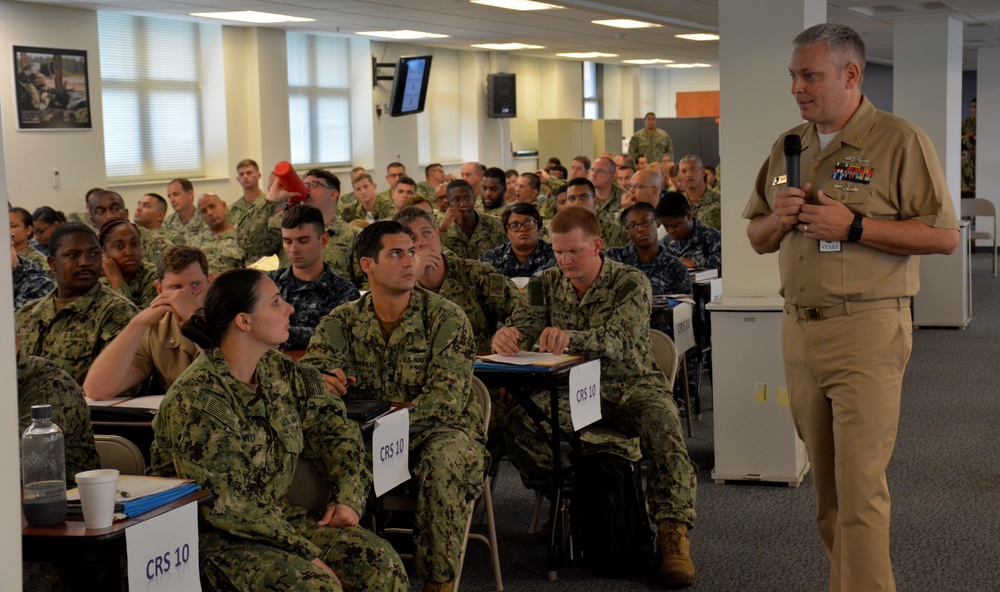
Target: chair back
[(120, 453), (308, 489), (665, 354), (483, 395), (977, 206)]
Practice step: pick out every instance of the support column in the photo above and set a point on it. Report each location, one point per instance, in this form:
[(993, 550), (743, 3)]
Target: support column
[(988, 126)]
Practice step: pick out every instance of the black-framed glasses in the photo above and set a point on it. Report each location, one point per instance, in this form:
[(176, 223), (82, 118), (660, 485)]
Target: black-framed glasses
[(517, 226), (315, 184), (632, 227)]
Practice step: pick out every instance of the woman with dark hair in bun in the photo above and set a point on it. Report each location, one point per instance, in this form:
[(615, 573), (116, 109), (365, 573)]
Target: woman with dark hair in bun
[(124, 268), (237, 422)]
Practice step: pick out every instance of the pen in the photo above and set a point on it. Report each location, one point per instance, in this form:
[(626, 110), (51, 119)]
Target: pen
[(350, 379)]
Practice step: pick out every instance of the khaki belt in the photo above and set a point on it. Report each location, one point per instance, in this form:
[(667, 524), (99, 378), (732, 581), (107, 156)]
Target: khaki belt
[(803, 313)]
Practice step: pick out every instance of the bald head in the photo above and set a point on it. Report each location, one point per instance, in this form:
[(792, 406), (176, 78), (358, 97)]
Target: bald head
[(214, 212)]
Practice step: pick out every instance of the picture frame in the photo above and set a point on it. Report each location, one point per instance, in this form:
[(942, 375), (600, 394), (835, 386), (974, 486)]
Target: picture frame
[(52, 89)]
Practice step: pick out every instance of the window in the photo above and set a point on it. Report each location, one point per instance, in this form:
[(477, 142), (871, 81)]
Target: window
[(151, 81), (438, 137), (593, 81), (319, 99)]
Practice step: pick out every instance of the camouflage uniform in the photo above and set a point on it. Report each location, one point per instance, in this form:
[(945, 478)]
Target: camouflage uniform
[(704, 246), (486, 296), (611, 322), (142, 289), (614, 234), (31, 254), (651, 146), (427, 361), (709, 208), (38, 247), (611, 208), (665, 273), (81, 217), (165, 351), (487, 234), (505, 261), (547, 208), (194, 232), (74, 336), (154, 242), (243, 446), (968, 171), (311, 300), (40, 382), (496, 212), (259, 234), (425, 190), (382, 210), (224, 252), (240, 206), (30, 282)]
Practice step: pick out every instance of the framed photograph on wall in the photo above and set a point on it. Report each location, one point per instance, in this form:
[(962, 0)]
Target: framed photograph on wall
[(52, 88)]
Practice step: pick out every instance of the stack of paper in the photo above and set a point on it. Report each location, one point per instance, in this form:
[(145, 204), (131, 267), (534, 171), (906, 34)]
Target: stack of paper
[(138, 495)]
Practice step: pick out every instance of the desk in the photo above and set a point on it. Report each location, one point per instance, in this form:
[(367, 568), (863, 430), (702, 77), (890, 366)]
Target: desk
[(72, 542), (521, 382)]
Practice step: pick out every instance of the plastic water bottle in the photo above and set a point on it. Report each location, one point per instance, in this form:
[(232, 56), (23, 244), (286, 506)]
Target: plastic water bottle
[(43, 469)]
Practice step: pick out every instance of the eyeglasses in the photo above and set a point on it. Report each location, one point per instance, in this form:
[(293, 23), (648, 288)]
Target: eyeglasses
[(640, 186), (517, 226), (640, 224), (315, 184)]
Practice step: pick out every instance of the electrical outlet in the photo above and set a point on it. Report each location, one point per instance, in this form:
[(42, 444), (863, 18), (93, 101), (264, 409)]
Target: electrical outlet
[(55, 178)]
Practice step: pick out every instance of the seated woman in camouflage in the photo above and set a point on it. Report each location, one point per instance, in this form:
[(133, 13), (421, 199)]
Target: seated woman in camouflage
[(237, 422), (124, 268)]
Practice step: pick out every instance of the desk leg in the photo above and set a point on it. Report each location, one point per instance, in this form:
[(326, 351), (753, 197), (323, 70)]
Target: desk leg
[(687, 394), (557, 473)]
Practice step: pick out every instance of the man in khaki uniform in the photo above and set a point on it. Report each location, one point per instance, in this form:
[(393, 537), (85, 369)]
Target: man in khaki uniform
[(873, 195)]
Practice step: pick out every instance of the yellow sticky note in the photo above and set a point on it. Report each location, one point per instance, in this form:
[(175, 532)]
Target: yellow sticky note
[(760, 392), (782, 396)]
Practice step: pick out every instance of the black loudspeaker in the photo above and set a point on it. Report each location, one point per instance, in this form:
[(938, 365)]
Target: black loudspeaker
[(501, 95)]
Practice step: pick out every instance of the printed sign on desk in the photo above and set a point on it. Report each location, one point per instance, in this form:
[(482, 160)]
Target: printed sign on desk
[(391, 451), (585, 394), (163, 552), (683, 327)]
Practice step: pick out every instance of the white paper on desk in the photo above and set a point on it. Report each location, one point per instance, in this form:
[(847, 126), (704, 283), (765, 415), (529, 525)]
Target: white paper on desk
[(585, 394), (391, 451), (147, 402), (163, 552), (683, 327), (526, 358)]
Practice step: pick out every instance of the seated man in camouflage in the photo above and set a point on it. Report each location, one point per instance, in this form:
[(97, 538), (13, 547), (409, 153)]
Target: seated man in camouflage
[(368, 205), (259, 230), (465, 231), (222, 249), (308, 285), (580, 192), (688, 239), (153, 340), (600, 309), (666, 273), (493, 189), (402, 343), (76, 320), (107, 205), (525, 254)]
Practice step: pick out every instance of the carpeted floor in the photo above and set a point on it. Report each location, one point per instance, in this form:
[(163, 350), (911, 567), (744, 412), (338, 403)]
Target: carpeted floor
[(944, 480)]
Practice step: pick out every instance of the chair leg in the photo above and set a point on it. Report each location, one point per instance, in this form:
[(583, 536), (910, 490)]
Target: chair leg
[(532, 528), (687, 395), (465, 545), (491, 529)]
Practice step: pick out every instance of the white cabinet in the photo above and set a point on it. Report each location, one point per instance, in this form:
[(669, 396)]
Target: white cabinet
[(755, 439), (945, 296)]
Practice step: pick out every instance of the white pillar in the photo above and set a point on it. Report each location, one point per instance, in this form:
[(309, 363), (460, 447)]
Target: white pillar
[(988, 125), (755, 48)]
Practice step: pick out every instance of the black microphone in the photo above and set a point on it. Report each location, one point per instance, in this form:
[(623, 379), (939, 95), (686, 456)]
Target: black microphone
[(793, 148)]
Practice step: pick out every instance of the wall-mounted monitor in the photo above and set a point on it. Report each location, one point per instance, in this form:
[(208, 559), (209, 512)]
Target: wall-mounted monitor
[(409, 86)]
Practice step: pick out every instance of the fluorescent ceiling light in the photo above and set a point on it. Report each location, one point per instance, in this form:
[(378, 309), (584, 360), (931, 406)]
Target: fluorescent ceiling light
[(647, 62), (252, 16), (625, 24), (404, 34), (516, 4), (688, 65), (699, 37), (507, 46), (587, 55)]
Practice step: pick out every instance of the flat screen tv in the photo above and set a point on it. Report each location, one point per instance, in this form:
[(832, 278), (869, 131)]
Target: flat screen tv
[(409, 86)]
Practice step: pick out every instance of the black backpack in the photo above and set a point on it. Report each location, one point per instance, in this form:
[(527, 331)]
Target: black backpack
[(610, 526)]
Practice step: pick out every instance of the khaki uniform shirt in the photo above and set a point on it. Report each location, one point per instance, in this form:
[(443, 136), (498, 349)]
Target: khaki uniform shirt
[(487, 234), (165, 351), (896, 177), (74, 336)]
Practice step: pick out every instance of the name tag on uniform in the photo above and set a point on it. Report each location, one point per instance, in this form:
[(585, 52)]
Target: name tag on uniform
[(829, 246)]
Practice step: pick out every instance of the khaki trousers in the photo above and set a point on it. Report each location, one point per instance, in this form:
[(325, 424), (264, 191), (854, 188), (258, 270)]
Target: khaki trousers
[(844, 377)]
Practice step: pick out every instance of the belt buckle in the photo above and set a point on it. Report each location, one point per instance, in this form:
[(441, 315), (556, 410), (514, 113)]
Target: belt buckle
[(812, 314)]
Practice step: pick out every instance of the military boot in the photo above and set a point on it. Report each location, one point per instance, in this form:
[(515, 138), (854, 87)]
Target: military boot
[(676, 567), (437, 586)]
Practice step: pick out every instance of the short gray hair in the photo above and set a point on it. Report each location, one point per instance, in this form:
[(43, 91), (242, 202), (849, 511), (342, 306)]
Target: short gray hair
[(842, 42), (692, 158)]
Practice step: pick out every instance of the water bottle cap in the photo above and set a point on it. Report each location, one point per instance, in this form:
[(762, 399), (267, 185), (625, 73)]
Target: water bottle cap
[(41, 412)]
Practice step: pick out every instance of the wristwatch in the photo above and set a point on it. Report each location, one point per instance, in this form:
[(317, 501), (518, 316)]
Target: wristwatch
[(854, 232)]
